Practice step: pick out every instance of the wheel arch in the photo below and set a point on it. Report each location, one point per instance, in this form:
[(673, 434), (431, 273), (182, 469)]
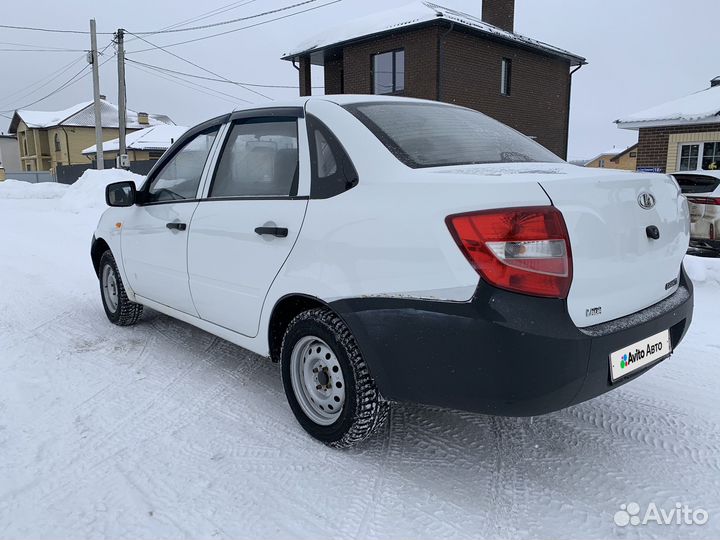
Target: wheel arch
[(99, 246), (285, 310)]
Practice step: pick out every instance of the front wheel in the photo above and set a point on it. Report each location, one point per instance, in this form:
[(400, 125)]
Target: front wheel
[(118, 307), (326, 380)]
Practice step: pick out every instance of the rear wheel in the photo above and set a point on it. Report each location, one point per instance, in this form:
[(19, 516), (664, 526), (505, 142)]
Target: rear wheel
[(326, 380), (118, 307)]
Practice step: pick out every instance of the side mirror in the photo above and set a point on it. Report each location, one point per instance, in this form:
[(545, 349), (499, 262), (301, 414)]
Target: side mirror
[(120, 194)]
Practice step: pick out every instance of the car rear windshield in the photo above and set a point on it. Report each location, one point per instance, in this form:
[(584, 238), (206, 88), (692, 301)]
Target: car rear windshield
[(435, 135)]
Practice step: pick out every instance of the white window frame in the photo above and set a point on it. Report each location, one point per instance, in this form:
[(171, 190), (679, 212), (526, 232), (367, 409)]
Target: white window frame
[(699, 159), (701, 152), (506, 76)]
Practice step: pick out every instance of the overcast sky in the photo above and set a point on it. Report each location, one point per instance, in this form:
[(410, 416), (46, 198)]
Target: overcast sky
[(640, 53)]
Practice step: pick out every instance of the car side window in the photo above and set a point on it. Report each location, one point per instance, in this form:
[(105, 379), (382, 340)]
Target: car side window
[(259, 159), (332, 170), (180, 177)]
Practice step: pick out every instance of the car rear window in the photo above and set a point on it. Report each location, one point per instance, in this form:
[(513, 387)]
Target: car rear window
[(434, 135), (697, 183)]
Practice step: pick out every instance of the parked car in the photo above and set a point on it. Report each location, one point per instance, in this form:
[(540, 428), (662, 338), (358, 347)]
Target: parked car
[(702, 189), (396, 250)]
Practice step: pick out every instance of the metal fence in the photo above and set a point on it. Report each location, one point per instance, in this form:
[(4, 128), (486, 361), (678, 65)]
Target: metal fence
[(68, 174), (34, 177)]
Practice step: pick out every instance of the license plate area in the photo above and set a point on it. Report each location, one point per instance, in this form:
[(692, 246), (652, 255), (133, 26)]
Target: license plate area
[(639, 354)]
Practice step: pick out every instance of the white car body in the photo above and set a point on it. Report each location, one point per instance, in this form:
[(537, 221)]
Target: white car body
[(387, 238)]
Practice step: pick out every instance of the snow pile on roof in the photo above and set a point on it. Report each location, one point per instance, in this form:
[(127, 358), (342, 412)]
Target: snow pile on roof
[(18, 189), (83, 115), (695, 107), (411, 15), (152, 138), (89, 190)]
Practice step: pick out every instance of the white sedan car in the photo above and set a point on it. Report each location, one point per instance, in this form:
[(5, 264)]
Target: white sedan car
[(394, 250)]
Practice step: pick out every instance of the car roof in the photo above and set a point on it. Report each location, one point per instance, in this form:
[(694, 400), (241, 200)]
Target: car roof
[(340, 99)]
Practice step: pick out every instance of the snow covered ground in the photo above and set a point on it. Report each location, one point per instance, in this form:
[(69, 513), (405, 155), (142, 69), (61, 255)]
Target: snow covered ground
[(164, 431)]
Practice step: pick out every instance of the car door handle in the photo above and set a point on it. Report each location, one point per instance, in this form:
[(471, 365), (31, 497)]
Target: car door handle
[(176, 226), (280, 232)]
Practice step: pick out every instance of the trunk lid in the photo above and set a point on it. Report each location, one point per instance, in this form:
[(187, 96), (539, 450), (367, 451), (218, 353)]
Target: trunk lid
[(618, 268)]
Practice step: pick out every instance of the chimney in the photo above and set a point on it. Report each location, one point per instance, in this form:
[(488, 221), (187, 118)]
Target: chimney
[(715, 82), (143, 118), (500, 13)]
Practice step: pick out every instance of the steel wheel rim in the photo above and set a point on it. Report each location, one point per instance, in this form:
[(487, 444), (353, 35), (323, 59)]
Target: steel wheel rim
[(110, 288), (317, 380)]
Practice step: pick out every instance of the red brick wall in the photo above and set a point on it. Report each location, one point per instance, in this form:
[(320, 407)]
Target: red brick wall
[(333, 76), (653, 143), (538, 104), (539, 100), (500, 13), (420, 62)]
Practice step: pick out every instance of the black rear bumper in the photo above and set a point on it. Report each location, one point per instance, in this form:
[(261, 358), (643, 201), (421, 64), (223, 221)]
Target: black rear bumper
[(501, 353)]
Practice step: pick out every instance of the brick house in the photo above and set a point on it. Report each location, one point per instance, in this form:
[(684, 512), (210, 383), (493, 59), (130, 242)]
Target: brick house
[(428, 51), (680, 135)]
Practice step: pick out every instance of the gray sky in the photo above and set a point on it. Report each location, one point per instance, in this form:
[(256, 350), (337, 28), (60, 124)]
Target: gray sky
[(640, 53)]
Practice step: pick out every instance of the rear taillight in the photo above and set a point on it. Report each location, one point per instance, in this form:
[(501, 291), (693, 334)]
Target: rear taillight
[(525, 250), (715, 201)]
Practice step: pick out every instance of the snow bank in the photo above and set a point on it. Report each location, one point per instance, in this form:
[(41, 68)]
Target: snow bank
[(89, 190), (17, 189), (703, 269)]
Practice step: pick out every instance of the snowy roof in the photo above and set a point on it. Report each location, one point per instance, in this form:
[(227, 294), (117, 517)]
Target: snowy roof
[(700, 107), (414, 14), (152, 138), (83, 115), (613, 153)]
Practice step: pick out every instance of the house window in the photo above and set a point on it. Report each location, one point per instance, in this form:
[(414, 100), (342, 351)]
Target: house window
[(57, 142), (25, 151), (505, 76), (689, 157), (633, 154), (389, 72), (602, 164), (711, 156)]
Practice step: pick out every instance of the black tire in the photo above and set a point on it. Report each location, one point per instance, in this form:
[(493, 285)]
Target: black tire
[(363, 411), (126, 313)]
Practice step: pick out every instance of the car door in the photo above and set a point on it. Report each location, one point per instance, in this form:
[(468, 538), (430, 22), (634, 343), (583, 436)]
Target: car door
[(154, 235), (244, 230)]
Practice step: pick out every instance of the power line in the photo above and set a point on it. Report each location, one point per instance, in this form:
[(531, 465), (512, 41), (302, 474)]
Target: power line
[(72, 80), (207, 14), (199, 66), (52, 30), (44, 47), (159, 68), (212, 13), (167, 30), (195, 86), (50, 78), (42, 50), (238, 29), (231, 21)]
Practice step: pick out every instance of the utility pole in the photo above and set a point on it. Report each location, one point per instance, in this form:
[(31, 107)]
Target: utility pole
[(122, 160), (99, 157)]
